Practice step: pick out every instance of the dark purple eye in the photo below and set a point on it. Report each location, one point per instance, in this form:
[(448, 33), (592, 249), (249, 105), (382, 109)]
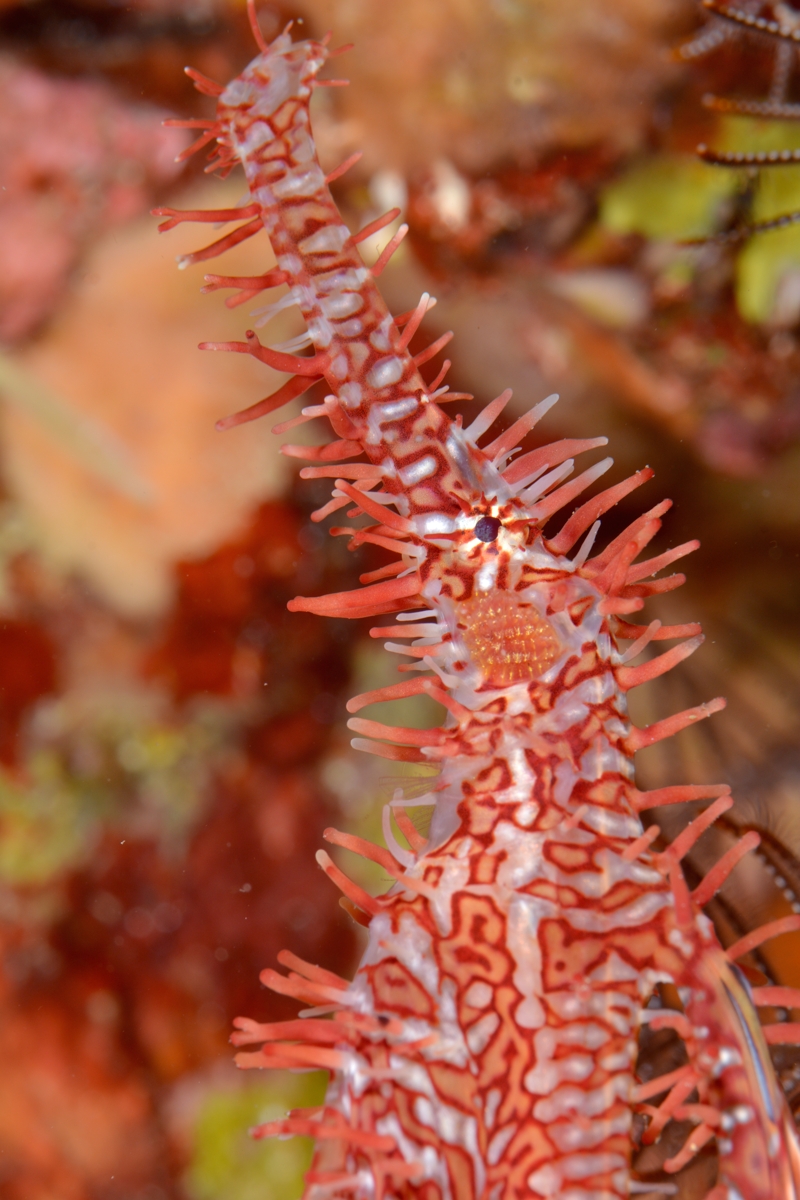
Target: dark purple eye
[(487, 529)]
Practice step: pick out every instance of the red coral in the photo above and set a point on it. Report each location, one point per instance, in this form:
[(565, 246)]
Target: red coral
[(29, 672)]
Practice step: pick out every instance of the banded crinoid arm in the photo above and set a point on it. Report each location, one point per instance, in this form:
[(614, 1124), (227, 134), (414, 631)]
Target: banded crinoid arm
[(487, 1045), (776, 23)]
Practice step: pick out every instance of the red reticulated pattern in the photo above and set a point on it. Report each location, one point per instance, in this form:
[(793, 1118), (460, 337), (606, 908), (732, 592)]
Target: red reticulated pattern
[(487, 1045)]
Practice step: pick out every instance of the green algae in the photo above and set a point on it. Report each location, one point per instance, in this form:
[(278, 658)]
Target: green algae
[(228, 1164), (669, 197)]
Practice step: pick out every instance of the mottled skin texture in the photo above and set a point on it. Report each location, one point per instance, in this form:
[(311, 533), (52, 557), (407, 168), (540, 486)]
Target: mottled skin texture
[(378, 385), (486, 1047)]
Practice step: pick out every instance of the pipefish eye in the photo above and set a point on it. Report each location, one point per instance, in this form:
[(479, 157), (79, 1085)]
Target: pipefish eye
[(487, 529)]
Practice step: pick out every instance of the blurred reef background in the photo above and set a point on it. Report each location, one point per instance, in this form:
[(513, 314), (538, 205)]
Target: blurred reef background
[(171, 740)]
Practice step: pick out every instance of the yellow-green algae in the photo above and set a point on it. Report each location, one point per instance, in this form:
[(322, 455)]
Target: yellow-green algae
[(678, 197), (227, 1164), (767, 257), (667, 198)]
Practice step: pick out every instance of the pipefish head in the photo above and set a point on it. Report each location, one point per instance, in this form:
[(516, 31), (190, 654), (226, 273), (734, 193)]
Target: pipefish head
[(480, 539), (285, 70)]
